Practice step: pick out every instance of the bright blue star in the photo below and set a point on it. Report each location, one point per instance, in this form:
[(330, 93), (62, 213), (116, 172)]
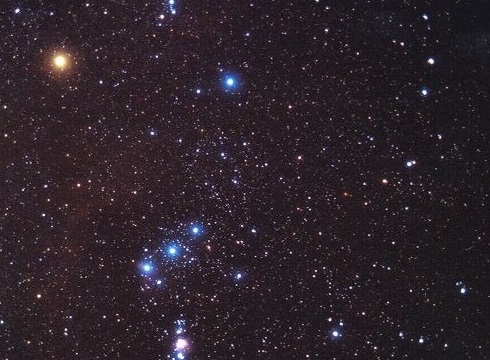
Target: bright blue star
[(173, 251), (230, 82), (147, 268), (195, 230)]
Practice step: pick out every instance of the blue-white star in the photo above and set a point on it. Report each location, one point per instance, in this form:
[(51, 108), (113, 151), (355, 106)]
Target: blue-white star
[(147, 267), (171, 5), (462, 288), (336, 335), (239, 276), (230, 82), (195, 230), (410, 163), (173, 251)]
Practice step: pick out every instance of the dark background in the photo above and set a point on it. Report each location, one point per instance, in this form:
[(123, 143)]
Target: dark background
[(284, 173)]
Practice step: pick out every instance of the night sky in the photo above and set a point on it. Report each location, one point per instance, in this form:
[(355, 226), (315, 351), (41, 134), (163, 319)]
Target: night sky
[(244, 179)]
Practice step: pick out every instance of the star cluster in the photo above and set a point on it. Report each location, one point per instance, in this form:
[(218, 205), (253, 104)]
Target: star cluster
[(186, 179)]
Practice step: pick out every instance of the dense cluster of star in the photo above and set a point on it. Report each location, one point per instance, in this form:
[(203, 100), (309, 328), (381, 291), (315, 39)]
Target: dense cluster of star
[(244, 180)]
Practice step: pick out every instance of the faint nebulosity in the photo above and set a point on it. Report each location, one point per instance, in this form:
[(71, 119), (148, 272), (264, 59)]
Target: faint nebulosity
[(276, 180)]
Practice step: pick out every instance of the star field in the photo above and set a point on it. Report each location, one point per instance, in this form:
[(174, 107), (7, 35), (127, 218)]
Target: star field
[(249, 180)]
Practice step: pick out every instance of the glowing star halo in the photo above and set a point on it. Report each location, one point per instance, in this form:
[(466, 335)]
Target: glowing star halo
[(230, 82), (147, 268), (196, 230), (60, 61)]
